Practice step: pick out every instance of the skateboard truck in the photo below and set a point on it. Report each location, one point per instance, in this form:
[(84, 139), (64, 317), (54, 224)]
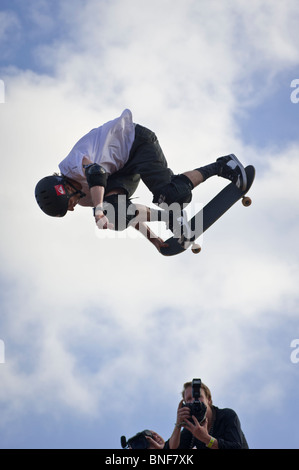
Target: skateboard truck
[(185, 242)]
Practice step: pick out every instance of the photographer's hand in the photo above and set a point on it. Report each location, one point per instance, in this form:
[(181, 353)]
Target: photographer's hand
[(155, 442), (183, 414), (201, 432)]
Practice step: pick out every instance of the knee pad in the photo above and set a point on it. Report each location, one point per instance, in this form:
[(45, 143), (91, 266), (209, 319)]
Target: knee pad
[(178, 190)]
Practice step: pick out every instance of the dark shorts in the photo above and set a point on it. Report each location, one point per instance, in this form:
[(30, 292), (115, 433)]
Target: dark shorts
[(119, 210), (127, 183), (146, 162)]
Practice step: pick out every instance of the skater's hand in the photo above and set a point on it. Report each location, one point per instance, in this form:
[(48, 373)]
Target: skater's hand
[(159, 243), (102, 221)]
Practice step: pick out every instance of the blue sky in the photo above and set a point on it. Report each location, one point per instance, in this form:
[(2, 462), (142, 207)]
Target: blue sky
[(263, 125), (100, 331)]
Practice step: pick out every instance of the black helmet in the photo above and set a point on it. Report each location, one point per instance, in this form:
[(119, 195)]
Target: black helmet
[(51, 195)]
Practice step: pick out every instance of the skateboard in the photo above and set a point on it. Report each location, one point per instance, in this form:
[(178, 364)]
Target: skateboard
[(208, 215)]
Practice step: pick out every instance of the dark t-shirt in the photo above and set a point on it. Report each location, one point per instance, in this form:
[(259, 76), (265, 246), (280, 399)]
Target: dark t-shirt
[(226, 429)]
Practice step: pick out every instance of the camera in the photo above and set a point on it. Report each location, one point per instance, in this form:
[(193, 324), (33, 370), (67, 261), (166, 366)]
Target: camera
[(139, 441), (197, 408)]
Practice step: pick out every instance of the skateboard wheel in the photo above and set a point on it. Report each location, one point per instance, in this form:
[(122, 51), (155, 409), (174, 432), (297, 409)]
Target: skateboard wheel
[(246, 201), (196, 248)]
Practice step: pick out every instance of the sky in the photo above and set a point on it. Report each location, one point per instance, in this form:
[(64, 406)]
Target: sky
[(98, 331)]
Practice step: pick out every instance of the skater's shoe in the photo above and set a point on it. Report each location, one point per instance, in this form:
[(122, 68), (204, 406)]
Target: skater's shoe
[(232, 169), (179, 225)]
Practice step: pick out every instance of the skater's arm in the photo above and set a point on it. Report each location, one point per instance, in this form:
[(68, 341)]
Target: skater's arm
[(143, 214), (96, 192), (97, 197), (143, 228)]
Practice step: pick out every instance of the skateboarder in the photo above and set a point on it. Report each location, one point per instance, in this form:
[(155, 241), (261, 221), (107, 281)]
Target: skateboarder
[(110, 160)]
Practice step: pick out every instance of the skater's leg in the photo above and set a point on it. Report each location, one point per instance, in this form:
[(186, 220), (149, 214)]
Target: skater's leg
[(195, 176), (228, 167)]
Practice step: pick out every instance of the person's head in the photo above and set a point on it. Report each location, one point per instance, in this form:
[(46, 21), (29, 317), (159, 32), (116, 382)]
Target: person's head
[(205, 394), (57, 194)]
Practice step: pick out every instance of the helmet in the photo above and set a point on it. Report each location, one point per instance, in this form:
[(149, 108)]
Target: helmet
[(51, 195)]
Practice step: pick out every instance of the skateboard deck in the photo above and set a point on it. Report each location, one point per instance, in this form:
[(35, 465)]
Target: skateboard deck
[(208, 215)]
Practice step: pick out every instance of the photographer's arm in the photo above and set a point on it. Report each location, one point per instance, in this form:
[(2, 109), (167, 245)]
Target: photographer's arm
[(174, 440), (183, 413)]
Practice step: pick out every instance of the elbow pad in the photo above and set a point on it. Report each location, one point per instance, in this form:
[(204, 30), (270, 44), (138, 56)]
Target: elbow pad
[(96, 175)]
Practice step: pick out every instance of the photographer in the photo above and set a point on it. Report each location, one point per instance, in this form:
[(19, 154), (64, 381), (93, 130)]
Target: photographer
[(143, 440), (217, 429)]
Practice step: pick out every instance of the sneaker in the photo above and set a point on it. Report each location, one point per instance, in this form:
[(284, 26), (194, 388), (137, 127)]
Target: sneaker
[(233, 170)]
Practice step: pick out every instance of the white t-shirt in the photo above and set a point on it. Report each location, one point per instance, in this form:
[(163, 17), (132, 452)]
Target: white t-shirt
[(108, 145)]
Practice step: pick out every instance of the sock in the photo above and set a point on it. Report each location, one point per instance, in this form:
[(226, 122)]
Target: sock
[(209, 170)]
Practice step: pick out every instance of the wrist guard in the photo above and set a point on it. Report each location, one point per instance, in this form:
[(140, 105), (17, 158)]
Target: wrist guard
[(96, 175)]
